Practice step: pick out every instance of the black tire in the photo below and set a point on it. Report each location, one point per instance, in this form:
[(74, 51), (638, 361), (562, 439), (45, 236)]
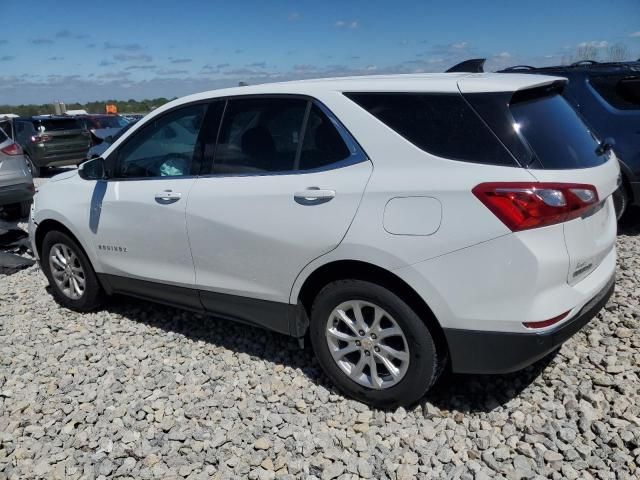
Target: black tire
[(17, 211), (621, 201), (33, 168), (93, 296), (424, 362)]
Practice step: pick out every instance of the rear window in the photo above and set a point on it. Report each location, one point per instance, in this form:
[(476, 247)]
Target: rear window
[(3, 136), (555, 132), (619, 91), (440, 124), (52, 125)]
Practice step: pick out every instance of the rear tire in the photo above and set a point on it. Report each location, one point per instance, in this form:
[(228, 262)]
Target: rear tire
[(76, 287), (621, 201), (399, 337)]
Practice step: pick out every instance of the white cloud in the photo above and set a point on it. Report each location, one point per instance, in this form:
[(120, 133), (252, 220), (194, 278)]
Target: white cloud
[(353, 24), (504, 55), (635, 34), (459, 45), (293, 17), (594, 43)]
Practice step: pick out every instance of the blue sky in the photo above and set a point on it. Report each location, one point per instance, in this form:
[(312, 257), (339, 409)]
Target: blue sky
[(81, 51)]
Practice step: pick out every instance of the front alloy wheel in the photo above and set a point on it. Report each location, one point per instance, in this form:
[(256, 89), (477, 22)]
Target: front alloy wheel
[(73, 281), (67, 271)]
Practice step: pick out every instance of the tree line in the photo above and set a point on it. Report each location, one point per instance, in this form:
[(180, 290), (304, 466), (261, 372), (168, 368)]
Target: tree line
[(123, 106)]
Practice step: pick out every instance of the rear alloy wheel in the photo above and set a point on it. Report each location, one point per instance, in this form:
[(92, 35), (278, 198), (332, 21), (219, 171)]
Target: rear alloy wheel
[(72, 279), (372, 345)]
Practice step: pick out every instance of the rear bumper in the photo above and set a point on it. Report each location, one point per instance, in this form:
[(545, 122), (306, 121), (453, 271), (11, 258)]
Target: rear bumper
[(503, 352), (20, 192)]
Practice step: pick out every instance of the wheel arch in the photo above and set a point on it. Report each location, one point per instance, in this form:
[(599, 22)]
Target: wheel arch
[(361, 270), (48, 225)]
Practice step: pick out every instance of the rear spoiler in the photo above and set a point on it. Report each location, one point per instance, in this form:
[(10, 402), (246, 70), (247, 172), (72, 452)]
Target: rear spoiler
[(473, 65), (506, 82)]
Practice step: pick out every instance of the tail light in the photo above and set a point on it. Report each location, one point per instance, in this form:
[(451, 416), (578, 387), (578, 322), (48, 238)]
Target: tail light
[(13, 149), (40, 138), (526, 205)]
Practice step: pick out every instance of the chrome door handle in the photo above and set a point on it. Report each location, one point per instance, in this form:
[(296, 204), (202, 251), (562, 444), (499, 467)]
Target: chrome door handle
[(313, 196), (168, 197)]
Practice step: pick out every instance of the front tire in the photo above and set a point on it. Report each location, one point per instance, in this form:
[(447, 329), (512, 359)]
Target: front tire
[(73, 281), (33, 168), (372, 345)]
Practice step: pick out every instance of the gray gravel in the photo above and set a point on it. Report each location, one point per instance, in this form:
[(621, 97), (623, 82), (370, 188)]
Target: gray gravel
[(145, 391)]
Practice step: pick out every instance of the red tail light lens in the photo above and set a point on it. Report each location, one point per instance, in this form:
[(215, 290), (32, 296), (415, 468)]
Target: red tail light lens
[(547, 323), (526, 205), (13, 149), (40, 138)]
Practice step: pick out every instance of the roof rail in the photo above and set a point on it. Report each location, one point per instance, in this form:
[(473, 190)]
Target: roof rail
[(518, 67), (585, 62), (473, 65)]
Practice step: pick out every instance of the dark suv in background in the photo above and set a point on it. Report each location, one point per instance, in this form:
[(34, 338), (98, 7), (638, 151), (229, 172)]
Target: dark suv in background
[(49, 141), (607, 95)]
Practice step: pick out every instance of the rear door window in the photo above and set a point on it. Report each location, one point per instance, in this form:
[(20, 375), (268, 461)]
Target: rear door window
[(555, 132), (440, 124), (322, 144), (260, 135)]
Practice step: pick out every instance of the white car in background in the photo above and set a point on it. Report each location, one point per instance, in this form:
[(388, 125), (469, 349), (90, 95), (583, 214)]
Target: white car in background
[(401, 222)]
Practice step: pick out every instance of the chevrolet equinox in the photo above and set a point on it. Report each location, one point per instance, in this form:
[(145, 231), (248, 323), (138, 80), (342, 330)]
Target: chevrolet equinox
[(402, 223)]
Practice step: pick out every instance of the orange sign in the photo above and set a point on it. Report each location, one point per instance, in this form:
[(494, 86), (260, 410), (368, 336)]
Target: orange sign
[(111, 108)]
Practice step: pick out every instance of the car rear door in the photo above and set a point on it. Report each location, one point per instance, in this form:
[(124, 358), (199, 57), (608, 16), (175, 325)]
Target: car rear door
[(278, 195)]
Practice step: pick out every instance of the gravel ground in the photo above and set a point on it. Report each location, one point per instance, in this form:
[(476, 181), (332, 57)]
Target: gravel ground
[(145, 391)]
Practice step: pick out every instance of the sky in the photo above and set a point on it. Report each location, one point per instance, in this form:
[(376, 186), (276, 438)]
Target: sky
[(78, 51)]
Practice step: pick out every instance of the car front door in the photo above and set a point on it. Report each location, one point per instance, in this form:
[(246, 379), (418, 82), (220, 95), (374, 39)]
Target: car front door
[(138, 218), (284, 187)]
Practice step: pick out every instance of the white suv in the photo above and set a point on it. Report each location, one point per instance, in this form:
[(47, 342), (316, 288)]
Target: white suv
[(401, 222)]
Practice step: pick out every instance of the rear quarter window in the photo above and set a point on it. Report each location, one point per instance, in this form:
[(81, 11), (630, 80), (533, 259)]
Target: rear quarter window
[(440, 124)]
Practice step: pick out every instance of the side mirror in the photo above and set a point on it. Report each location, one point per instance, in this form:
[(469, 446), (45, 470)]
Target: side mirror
[(93, 169)]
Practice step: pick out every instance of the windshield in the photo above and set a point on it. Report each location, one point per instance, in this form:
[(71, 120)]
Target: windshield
[(111, 121), (555, 132)]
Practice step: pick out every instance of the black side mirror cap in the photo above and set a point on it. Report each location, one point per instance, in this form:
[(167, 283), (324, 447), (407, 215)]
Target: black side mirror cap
[(93, 169)]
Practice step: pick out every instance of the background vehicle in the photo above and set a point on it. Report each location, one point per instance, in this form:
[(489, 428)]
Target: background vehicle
[(100, 148), (16, 184), (470, 242), (49, 141), (101, 126), (607, 95)]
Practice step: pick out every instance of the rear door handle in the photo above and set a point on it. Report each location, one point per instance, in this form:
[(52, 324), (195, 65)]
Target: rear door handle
[(168, 196), (314, 196)]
